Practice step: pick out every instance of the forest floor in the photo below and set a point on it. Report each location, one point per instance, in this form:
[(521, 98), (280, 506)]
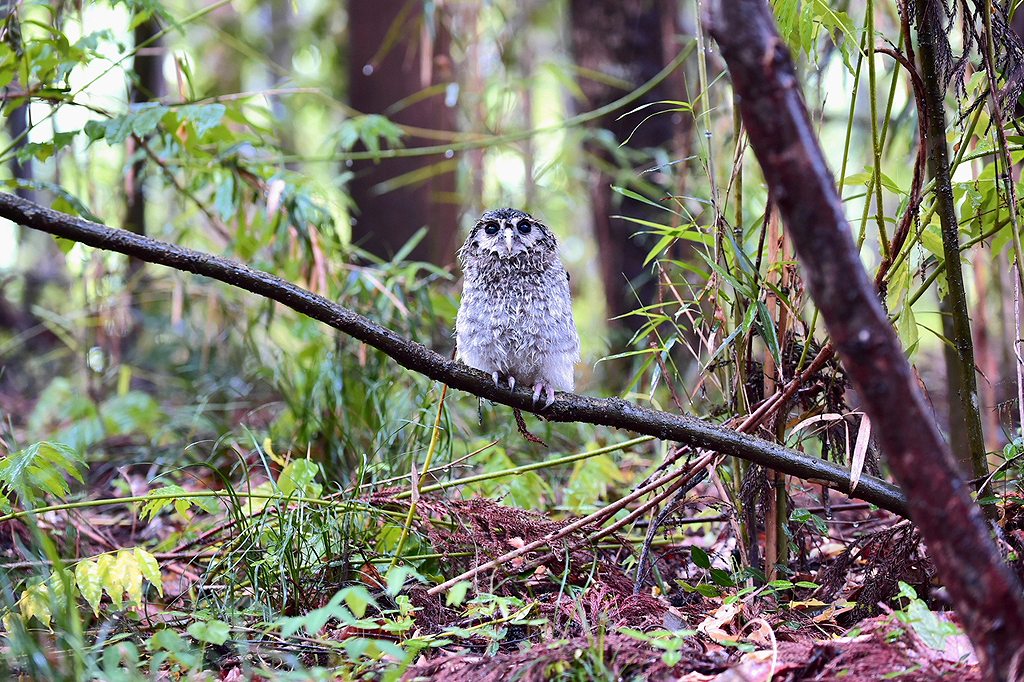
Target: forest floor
[(859, 604), (811, 625)]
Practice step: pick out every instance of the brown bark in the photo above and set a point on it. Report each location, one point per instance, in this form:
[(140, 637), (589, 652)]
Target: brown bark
[(986, 595), (632, 40), (382, 73)]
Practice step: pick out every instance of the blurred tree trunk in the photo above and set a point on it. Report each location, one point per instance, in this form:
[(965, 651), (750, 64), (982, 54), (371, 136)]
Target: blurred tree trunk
[(630, 40), (279, 17), (43, 262), (17, 120), (147, 85), (397, 52)]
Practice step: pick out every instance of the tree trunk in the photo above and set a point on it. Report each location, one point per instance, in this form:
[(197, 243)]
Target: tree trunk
[(39, 255), (631, 40), (986, 595), (147, 85), (961, 378), (279, 17), (382, 74)]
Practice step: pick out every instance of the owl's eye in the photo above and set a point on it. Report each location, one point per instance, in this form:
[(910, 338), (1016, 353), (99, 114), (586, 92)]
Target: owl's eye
[(491, 228), (525, 227)]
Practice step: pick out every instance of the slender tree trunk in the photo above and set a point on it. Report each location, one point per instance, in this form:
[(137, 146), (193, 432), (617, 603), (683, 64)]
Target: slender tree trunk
[(394, 55), (956, 417), (776, 542), (17, 126), (962, 381), (39, 255), (984, 336), (987, 596), (279, 18), (147, 85)]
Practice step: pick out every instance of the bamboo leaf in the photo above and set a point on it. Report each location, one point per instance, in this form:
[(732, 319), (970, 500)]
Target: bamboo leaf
[(860, 450)]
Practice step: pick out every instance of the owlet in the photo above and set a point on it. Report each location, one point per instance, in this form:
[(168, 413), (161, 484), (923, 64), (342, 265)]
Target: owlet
[(515, 321)]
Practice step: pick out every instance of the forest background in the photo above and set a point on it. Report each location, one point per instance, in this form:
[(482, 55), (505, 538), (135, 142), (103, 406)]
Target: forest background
[(212, 473)]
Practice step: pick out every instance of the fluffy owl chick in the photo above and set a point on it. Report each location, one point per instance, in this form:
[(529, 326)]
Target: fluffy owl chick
[(515, 320)]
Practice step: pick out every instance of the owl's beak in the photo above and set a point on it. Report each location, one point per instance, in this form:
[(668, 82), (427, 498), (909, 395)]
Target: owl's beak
[(508, 239)]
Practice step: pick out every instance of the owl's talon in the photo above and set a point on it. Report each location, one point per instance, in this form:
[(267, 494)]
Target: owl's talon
[(494, 377), (511, 383), (549, 395)]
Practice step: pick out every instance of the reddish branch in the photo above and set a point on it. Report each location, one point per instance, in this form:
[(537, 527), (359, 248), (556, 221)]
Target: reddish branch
[(987, 596), (416, 357)]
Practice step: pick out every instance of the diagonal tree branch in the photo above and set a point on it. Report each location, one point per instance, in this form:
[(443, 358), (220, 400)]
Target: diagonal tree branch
[(413, 356), (986, 594)]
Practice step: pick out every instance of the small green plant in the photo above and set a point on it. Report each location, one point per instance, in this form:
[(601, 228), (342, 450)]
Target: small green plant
[(671, 642), (931, 627)]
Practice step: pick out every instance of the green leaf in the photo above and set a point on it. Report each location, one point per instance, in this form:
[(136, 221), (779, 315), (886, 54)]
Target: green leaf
[(90, 583), (357, 598), (746, 289), (146, 117), (707, 590), (224, 199), (748, 319), (371, 130), (906, 329), (767, 330), (212, 631), (315, 620), (398, 576), (660, 246), (931, 239), (157, 504), (40, 469), (205, 117), (35, 602), (150, 568), (457, 593), (167, 640), (700, 557), (642, 199), (124, 576), (722, 578), (160, 498), (132, 413), (299, 477), (933, 629), (41, 151)]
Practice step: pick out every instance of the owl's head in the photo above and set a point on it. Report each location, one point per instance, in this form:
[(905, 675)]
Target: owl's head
[(508, 232)]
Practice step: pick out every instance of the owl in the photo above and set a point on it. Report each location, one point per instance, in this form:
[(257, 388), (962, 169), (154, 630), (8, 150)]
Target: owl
[(515, 320)]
